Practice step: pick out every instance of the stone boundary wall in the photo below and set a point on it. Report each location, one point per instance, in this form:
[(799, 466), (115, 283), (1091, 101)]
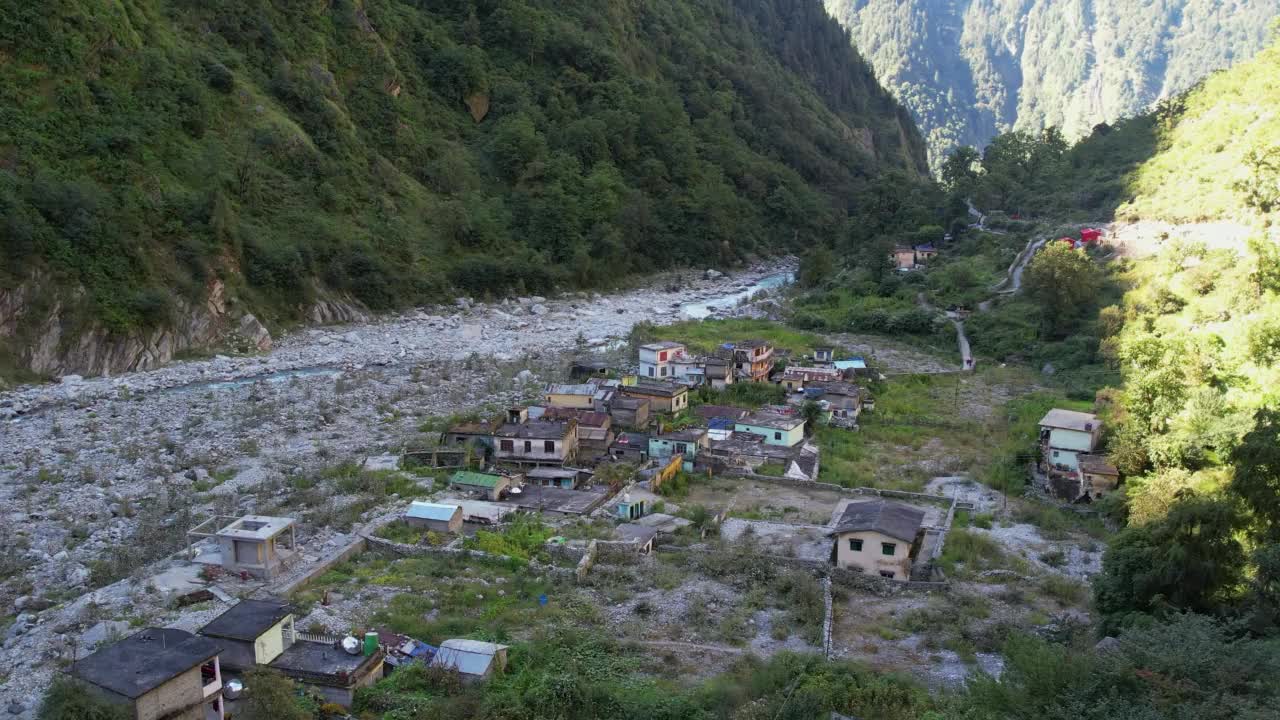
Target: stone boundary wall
[(352, 549), (883, 587), (827, 617)]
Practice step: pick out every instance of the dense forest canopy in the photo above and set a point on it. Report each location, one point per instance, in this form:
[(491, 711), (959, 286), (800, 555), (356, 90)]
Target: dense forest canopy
[(970, 70), (396, 151)]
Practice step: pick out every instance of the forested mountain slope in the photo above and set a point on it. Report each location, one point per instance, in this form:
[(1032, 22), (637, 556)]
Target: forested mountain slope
[(1210, 153), (970, 69), (168, 164)]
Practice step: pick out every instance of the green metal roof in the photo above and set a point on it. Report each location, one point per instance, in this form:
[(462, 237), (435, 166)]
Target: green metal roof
[(466, 477)]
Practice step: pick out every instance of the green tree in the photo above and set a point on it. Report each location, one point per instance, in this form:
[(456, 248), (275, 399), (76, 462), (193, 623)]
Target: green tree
[(960, 170), (816, 267), (1261, 189), (271, 696), (1189, 560), (812, 413), (1063, 282), (67, 699)]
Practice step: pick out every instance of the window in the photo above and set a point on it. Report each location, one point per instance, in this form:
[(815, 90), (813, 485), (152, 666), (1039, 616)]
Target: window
[(528, 446), (681, 448), (777, 436), (887, 574), (662, 357), (888, 548), (1055, 453), (662, 371), (650, 371), (549, 446), (508, 445), (855, 544)]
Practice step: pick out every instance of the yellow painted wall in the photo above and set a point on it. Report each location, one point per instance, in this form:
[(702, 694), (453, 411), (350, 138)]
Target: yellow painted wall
[(871, 558), (270, 644)]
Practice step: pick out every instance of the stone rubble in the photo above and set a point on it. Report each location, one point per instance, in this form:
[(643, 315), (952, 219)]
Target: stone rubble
[(83, 461)]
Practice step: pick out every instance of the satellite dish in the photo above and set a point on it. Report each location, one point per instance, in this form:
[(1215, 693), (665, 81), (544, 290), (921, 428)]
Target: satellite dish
[(516, 491)]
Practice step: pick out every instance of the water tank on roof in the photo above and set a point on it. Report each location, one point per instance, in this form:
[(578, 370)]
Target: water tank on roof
[(351, 645)]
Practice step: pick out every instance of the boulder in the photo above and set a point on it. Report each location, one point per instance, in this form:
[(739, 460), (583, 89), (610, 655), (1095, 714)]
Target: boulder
[(539, 309), (712, 274)]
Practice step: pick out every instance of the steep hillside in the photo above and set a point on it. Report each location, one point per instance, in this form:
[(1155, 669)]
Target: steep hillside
[(1210, 153), (969, 70), (167, 165)]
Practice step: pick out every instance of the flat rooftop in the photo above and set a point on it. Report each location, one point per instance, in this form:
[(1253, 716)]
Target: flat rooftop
[(555, 499), (144, 661), (247, 620), (256, 527), (322, 661)]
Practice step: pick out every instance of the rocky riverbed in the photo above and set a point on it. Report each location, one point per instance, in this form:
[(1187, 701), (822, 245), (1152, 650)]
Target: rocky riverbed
[(100, 477)]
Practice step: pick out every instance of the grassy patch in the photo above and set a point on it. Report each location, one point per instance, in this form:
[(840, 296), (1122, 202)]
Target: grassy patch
[(522, 539), (704, 336), (967, 553)]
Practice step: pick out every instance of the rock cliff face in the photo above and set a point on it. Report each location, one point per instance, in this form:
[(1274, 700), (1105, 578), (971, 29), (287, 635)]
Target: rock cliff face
[(50, 343), (969, 69)]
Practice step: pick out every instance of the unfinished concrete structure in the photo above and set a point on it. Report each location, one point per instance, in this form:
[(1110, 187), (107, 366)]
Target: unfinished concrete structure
[(257, 545)]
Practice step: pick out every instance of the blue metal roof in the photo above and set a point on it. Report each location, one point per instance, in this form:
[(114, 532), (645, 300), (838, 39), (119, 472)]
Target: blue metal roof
[(719, 423), (469, 657), (855, 363), (431, 511)]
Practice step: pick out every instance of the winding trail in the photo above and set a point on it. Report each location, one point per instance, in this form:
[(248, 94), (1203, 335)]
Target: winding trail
[(1010, 285)]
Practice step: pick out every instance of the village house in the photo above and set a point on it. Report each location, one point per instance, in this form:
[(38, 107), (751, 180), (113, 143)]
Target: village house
[(571, 396), (479, 433), (158, 674), (257, 545), (536, 442), (718, 372), (329, 671), (1098, 477), (641, 536), (685, 442), (753, 360), (776, 429), (903, 257), (490, 487), (606, 391), (925, 253), (823, 355), (843, 402), (471, 659), (747, 453), (878, 536), (666, 397), (595, 429), (251, 633), (548, 476), (1064, 436), (795, 379), (656, 358), (630, 447), (630, 412), (436, 517)]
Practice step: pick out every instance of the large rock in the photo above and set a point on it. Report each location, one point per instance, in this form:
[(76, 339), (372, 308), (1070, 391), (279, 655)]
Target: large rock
[(539, 309), (710, 274), (254, 332)]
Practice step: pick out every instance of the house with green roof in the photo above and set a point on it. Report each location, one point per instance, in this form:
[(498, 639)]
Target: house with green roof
[(491, 487)]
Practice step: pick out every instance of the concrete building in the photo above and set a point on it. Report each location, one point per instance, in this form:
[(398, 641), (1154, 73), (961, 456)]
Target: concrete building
[(328, 670), (718, 372), (630, 447), (903, 257), (685, 442), (753, 360), (776, 429), (259, 545), (595, 429), (553, 477), (656, 359), (490, 487), (436, 517), (824, 355), (630, 412), (1064, 436), (477, 433), (251, 633), (795, 379), (537, 442), (581, 396), (639, 535), (878, 536), (666, 397), (158, 673), (472, 659), (1098, 476)]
